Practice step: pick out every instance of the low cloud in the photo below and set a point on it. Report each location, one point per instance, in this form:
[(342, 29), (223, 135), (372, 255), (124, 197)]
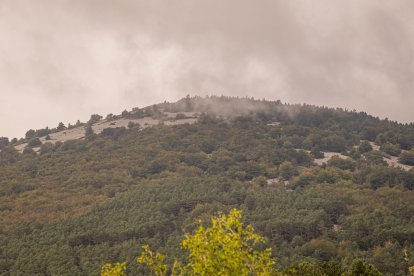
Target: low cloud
[(63, 60)]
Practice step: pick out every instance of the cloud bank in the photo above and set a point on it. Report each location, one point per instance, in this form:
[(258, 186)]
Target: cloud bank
[(62, 60)]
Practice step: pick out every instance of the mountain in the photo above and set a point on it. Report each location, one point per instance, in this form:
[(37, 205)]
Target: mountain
[(324, 185)]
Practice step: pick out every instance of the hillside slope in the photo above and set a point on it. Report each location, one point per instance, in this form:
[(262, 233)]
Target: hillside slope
[(326, 185)]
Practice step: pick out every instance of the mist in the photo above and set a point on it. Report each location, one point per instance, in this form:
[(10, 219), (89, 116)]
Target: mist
[(62, 60)]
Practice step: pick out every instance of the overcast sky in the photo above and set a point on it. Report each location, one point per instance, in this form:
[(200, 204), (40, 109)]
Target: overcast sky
[(62, 60)]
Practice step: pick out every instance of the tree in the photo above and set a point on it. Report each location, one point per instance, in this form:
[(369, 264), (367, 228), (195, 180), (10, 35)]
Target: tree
[(132, 125), (29, 151), (316, 153), (225, 248), (369, 133), (117, 269), (361, 268), (61, 126), (45, 148), (407, 158), (35, 142), (180, 116), (358, 268), (364, 147), (391, 149), (30, 134), (343, 164), (334, 143), (125, 114), (261, 181), (287, 170), (305, 269), (42, 132), (4, 141), (89, 131), (109, 117), (94, 119), (375, 157)]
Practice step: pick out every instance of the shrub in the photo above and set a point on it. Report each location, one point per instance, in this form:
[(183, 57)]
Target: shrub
[(35, 142), (391, 149), (407, 158)]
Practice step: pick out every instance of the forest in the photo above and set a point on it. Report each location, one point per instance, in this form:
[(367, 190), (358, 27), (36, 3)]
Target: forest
[(322, 185)]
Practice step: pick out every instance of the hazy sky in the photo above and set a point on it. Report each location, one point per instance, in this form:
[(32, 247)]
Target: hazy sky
[(62, 60)]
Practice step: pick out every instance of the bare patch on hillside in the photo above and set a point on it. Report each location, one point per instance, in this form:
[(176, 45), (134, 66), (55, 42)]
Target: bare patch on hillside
[(374, 146), (79, 132), (392, 161), (328, 155)]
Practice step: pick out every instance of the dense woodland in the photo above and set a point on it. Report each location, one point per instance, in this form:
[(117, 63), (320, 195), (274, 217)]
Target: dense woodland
[(73, 206)]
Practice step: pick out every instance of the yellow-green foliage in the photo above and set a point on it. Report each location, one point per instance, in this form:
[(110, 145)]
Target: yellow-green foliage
[(228, 248), (117, 269), (155, 261), (225, 248)]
